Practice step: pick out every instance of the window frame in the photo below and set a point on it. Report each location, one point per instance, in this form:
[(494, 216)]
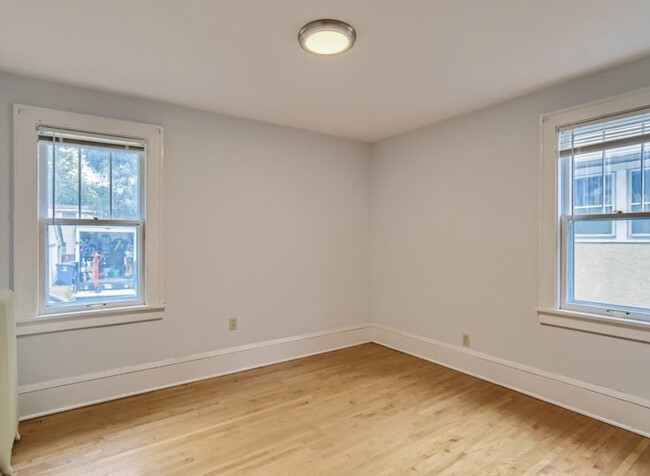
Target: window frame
[(32, 317), (552, 309)]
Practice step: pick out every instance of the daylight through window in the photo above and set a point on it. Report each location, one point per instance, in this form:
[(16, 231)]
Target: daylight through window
[(92, 220), (605, 207)]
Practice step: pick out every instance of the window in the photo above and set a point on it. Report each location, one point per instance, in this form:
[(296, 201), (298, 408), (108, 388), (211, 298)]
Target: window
[(87, 220), (91, 219), (601, 275), (596, 217)]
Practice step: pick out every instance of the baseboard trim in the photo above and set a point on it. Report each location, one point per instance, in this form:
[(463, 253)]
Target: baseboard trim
[(55, 396), (610, 406), (616, 408)]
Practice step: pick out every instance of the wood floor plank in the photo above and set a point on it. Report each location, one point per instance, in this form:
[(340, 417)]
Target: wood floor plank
[(365, 410)]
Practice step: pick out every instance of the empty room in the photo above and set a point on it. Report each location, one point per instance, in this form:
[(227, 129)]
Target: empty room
[(289, 237)]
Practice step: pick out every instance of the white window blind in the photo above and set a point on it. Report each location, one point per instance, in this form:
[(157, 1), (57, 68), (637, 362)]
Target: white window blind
[(627, 129), (89, 139)]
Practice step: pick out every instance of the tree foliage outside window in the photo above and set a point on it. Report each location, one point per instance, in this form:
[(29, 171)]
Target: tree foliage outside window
[(108, 188)]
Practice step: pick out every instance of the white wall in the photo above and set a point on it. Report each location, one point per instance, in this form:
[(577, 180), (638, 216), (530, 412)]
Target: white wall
[(455, 230), (266, 223), (281, 227)]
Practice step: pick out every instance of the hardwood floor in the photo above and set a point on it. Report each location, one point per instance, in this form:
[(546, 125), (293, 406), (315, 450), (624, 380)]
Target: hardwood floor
[(366, 410)]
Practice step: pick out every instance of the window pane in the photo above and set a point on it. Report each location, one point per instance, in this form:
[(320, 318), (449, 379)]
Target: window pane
[(109, 186), (639, 227), (65, 169), (613, 274), (95, 183), (590, 195), (126, 172), (91, 264), (588, 183), (620, 162), (589, 171), (595, 227)]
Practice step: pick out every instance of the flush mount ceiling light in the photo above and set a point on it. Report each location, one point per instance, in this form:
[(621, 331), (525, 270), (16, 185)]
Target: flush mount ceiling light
[(327, 37)]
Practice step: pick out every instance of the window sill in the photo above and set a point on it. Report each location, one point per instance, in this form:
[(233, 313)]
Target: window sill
[(621, 328), (88, 319)]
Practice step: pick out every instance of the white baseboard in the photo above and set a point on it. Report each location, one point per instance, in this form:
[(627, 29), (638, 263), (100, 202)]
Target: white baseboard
[(610, 406), (617, 408), (65, 394)]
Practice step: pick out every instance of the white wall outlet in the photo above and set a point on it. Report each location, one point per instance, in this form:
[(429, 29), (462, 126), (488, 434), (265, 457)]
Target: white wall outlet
[(232, 324), (466, 340)]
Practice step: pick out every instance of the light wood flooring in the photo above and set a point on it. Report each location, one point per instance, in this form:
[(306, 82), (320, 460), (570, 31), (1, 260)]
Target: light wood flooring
[(365, 410)]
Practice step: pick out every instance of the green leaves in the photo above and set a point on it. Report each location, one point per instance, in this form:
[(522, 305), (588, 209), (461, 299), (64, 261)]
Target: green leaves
[(105, 181)]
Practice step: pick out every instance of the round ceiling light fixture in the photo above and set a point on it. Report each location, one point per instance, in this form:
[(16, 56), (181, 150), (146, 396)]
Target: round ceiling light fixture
[(327, 37)]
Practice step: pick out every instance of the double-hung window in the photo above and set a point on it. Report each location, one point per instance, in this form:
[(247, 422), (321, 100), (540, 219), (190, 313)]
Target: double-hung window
[(91, 218), (596, 217), (86, 221), (603, 270)]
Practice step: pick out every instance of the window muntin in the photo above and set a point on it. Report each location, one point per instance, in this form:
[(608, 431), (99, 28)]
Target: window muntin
[(605, 258), (92, 221)]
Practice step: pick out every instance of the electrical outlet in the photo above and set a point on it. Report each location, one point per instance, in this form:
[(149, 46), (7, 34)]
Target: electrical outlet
[(232, 324), (465, 340)]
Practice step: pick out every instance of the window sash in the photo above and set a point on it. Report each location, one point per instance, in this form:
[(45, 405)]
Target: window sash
[(44, 309), (611, 310), (44, 207)]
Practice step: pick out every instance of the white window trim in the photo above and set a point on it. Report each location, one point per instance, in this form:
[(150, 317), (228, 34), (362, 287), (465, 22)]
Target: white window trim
[(549, 310), (27, 279)]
